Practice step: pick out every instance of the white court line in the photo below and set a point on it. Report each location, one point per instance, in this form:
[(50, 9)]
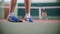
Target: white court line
[(31, 7)]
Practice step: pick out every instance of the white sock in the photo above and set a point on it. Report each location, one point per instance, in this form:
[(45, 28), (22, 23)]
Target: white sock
[(28, 15), (11, 14)]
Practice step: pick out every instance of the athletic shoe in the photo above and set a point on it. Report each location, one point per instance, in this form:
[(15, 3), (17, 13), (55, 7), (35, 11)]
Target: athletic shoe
[(30, 20), (14, 19)]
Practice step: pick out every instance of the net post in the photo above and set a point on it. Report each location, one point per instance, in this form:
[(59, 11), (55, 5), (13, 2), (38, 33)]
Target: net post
[(39, 13)]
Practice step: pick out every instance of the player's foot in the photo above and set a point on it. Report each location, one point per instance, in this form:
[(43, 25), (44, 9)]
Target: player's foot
[(14, 19), (28, 19)]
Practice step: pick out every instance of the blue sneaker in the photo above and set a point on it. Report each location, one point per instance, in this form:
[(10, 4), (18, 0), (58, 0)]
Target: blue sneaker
[(13, 18), (30, 20)]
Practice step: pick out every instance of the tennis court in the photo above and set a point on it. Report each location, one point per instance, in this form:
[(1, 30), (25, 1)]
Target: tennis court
[(37, 27)]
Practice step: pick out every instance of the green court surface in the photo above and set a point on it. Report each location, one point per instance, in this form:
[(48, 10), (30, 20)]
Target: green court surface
[(48, 17), (54, 17), (30, 28), (45, 17)]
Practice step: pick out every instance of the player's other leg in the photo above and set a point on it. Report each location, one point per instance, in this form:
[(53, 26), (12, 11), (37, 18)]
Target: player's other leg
[(11, 16), (27, 7), (11, 12)]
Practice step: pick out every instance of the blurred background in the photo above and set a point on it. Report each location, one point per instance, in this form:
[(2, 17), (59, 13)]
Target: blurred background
[(44, 27), (52, 8)]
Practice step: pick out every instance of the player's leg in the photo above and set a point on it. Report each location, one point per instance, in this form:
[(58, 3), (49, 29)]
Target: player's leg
[(11, 15), (27, 7), (12, 7), (13, 4)]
